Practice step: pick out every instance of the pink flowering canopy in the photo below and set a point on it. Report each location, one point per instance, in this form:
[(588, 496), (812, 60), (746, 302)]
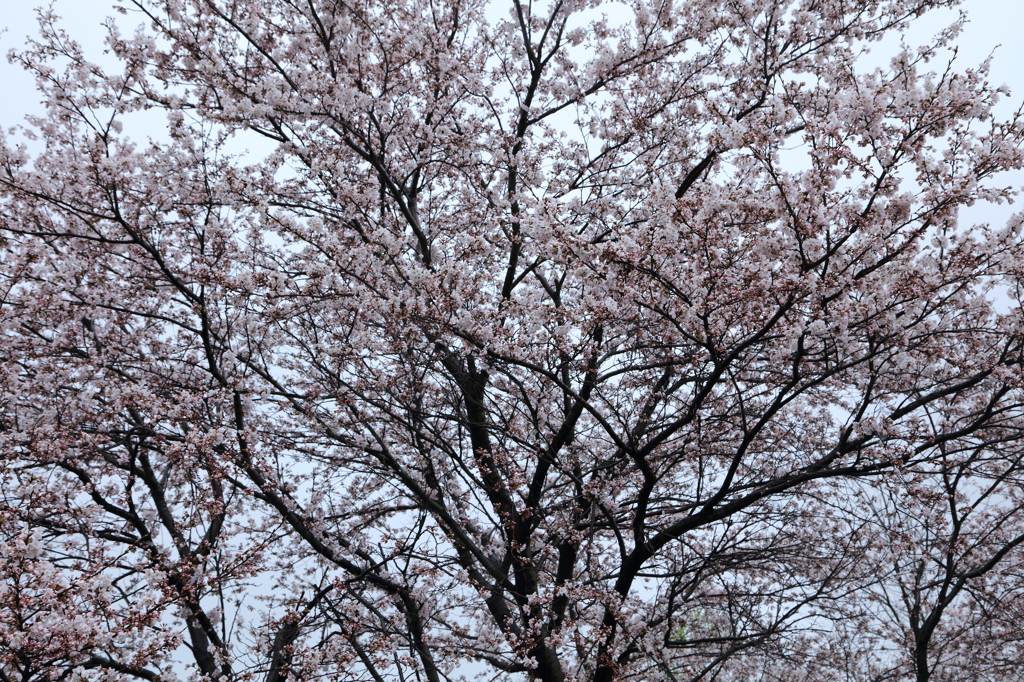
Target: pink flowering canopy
[(562, 341)]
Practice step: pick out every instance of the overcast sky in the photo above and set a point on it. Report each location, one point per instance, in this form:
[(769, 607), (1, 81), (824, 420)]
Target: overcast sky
[(995, 25), (992, 23)]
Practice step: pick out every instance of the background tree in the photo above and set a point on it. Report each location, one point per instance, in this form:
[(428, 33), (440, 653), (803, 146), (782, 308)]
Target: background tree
[(538, 345)]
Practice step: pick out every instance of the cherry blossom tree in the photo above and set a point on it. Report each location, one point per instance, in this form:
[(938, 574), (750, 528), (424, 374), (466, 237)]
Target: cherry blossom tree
[(541, 341), (940, 553)]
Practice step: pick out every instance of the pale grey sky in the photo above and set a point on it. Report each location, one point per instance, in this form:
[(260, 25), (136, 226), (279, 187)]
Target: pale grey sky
[(992, 23)]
